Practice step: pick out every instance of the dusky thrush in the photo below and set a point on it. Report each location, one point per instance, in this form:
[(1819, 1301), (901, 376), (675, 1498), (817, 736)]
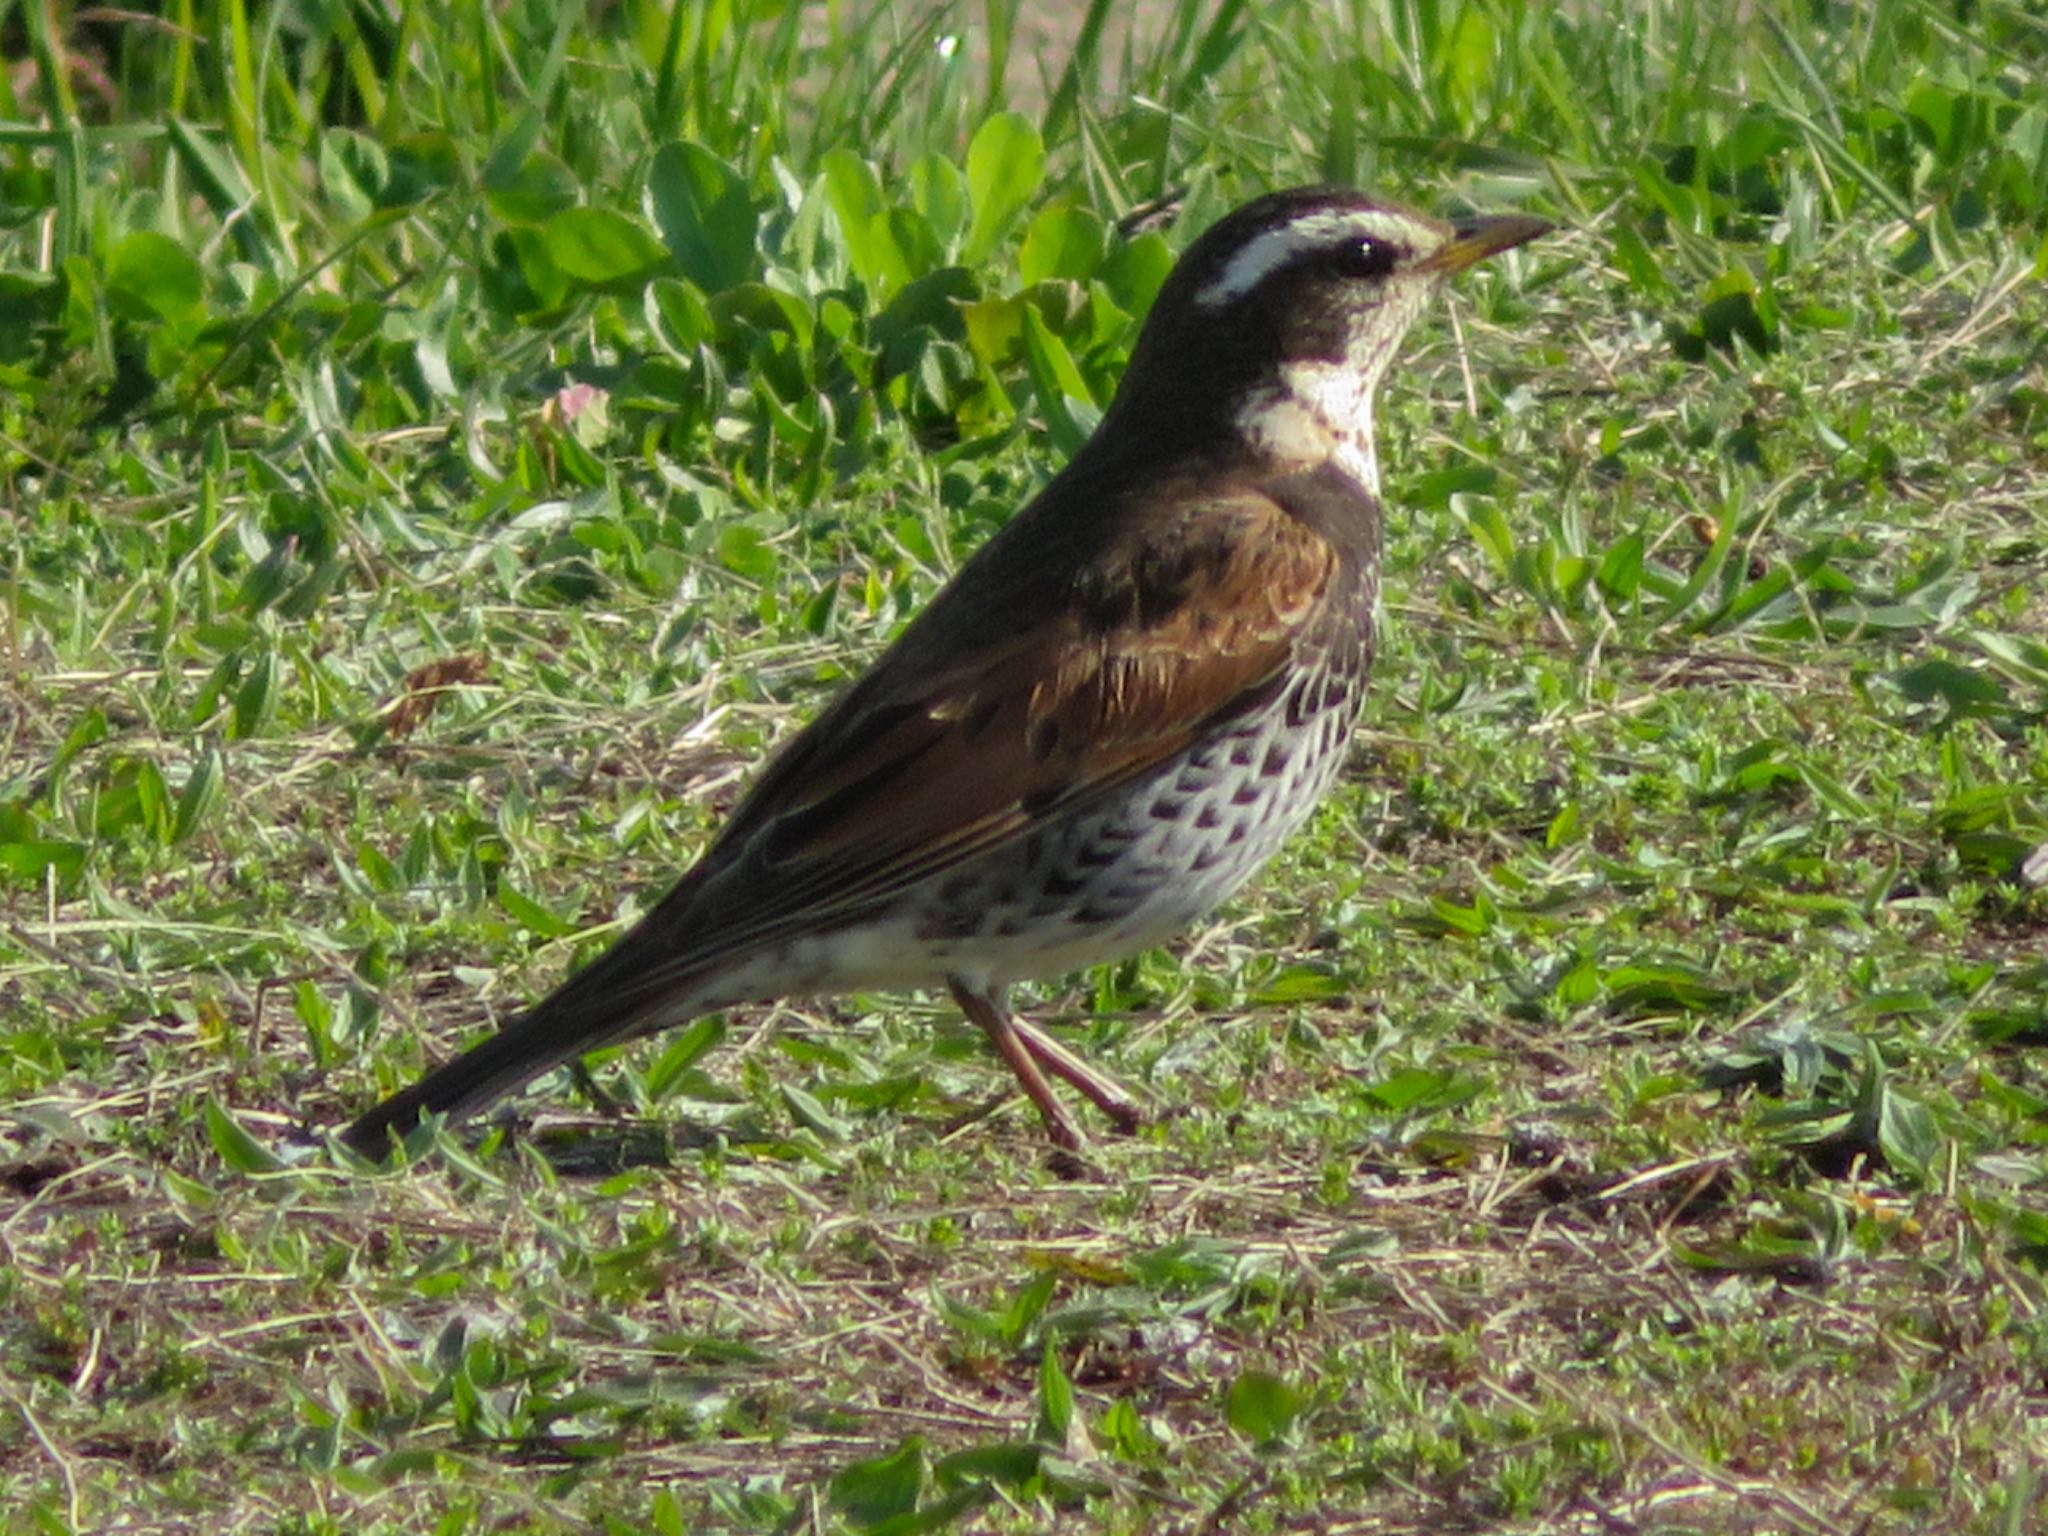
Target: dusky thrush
[(1110, 717)]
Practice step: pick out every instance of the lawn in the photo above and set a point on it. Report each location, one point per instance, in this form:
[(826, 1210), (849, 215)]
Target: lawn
[(441, 453)]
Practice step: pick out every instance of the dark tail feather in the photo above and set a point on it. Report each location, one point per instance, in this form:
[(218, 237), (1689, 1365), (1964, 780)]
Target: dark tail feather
[(629, 990)]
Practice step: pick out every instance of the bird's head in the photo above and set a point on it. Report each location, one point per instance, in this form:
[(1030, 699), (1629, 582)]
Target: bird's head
[(1271, 334)]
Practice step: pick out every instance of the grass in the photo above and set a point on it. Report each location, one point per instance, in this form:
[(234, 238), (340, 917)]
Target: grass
[(442, 452)]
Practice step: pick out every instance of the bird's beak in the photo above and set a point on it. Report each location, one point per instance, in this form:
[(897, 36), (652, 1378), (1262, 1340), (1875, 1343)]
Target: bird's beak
[(1475, 239)]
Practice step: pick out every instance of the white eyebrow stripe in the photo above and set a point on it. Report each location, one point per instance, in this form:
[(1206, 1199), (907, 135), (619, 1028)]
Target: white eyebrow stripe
[(1260, 258)]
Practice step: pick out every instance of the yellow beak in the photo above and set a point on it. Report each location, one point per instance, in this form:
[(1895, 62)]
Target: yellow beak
[(1475, 239)]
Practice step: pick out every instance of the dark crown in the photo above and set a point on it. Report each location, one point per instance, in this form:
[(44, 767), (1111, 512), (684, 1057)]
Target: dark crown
[(1319, 275)]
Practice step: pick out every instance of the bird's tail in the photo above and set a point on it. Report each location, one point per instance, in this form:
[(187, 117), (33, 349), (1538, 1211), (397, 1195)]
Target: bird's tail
[(634, 988)]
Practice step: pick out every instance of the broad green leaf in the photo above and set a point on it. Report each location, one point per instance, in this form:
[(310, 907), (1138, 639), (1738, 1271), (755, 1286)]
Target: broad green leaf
[(681, 1053), (995, 327), (354, 171), (423, 164), (531, 914), (302, 599), (1908, 1137), (1027, 1307), (999, 1461), (1563, 826), (665, 1515), (939, 193), (599, 246), (155, 273), (1620, 573), (237, 1148), (706, 217), (89, 729), (908, 336), (534, 192), (1657, 988), (1063, 242), (864, 222), (942, 1514), (679, 318), (1135, 270), (1415, 1090), (1833, 793), (1124, 1434), (744, 550), (1965, 690), (256, 698), (808, 1112), (967, 1318), (1062, 392), (1579, 985), (548, 283), (1299, 984), (2015, 654), (1055, 1398), (915, 244), (1263, 1407), (1633, 258), (764, 308), (1004, 165), (130, 796), (199, 795), (869, 1492), (1472, 921), (1750, 600), (31, 860)]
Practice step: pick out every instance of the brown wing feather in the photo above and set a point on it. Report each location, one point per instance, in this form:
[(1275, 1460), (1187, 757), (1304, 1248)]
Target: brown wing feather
[(1138, 648), (916, 772)]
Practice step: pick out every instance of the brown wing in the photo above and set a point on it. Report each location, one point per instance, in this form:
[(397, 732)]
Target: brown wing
[(966, 732), (915, 771)]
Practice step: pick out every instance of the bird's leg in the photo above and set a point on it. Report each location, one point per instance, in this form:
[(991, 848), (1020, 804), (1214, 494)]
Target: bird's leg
[(1106, 1094), (986, 1008)]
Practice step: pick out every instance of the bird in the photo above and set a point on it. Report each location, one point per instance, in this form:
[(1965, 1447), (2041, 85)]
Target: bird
[(1113, 713)]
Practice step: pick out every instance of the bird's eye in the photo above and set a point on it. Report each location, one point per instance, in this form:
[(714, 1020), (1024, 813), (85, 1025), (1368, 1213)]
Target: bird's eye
[(1364, 258)]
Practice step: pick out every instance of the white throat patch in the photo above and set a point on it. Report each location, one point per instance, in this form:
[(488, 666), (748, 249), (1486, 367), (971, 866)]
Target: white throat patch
[(1315, 411), (1259, 258), (1318, 413)]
